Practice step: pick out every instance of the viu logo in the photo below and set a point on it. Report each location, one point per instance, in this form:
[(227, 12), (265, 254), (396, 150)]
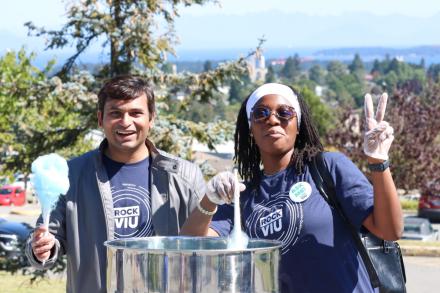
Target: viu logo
[(271, 223), (127, 217)]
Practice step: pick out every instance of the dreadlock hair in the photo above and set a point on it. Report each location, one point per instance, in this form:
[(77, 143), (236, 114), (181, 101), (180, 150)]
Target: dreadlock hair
[(247, 155)]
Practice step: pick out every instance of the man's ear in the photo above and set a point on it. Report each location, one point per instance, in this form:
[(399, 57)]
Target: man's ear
[(99, 116), (152, 119)]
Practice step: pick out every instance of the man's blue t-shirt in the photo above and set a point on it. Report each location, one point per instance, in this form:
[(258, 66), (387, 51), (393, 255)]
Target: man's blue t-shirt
[(131, 197), (318, 253)]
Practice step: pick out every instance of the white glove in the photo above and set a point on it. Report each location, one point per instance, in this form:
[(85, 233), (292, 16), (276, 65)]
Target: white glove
[(379, 134), (221, 188)]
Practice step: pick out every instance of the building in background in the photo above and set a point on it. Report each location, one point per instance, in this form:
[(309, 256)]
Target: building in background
[(257, 67)]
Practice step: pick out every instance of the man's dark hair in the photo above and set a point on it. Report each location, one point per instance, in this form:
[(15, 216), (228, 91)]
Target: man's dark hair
[(247, 156), (126, 87)]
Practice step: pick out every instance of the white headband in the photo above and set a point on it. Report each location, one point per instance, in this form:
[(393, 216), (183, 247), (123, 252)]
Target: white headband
[(273, 89)]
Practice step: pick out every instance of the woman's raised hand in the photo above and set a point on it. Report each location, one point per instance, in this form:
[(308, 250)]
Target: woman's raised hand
[(379, 134)]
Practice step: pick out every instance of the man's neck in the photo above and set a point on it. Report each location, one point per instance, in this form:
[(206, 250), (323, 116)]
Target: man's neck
[(127, 157)]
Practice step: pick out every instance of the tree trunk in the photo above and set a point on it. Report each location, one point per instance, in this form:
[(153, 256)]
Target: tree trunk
[(114, 42)]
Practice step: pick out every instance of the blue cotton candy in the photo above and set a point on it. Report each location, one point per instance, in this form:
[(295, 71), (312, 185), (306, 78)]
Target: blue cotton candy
[(50, 180)]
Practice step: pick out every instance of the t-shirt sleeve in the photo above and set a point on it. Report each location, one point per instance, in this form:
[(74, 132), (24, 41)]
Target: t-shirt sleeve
[(353, 190), (222, 220)]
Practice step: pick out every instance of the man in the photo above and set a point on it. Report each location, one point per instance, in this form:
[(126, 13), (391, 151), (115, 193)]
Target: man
[(126, 188)]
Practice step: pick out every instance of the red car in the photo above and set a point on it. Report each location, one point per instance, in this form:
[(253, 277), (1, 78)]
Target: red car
[(429, 203), (12, 195)]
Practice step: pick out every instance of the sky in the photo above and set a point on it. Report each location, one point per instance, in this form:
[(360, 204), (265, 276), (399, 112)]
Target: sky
[(419, 8), (328, 23), (51, 12)]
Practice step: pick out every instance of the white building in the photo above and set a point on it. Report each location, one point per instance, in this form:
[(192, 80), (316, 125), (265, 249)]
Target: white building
[(257, 67)]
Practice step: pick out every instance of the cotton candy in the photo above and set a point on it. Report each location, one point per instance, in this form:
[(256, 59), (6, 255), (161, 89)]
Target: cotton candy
[(238, 239), (50, 180)]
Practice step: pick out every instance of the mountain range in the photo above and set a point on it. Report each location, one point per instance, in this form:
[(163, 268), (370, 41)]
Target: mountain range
[(297, 30), (220, 37)]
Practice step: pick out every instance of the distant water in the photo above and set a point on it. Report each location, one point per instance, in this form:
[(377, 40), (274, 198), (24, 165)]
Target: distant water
[(309, 54), (231, 54), (312, 54)]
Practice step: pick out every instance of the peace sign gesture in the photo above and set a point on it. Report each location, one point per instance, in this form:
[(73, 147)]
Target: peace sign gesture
[(379, 134)]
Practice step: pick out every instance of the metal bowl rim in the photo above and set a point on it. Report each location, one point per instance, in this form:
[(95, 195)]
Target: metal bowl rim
[(276, 244)]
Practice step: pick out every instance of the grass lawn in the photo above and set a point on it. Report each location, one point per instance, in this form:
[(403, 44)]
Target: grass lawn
[(409, 205), (20, 284), (419, 243)]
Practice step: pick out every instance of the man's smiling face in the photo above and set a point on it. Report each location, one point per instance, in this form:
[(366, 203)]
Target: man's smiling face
[(126, 124)]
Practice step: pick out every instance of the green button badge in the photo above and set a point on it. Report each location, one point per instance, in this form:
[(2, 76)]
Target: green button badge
[(300, 191)]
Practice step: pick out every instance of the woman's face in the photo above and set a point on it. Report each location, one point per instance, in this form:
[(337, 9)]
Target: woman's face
[(274, 136)]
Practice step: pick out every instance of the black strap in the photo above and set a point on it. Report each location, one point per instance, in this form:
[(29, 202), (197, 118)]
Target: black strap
[(324, 183)]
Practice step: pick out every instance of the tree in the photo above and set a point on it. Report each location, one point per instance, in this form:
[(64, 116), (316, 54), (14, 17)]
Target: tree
[(54, 114), (167, 68), (347, 87), (357, 68), (415, 152), (376, 69), (132, 31), (39, 113), (127, 27), (317, 74), (337, 68), (396, 73), (434, 72), (338, 91), (422, 64), (322, 115), (292, 68), (207, 66), (239, 88), (270, 76)]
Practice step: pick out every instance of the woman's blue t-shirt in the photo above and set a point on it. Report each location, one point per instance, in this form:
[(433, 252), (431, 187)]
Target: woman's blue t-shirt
[(318, 253)]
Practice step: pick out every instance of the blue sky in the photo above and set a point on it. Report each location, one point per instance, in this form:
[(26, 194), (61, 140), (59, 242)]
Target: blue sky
[(50, 12), (311, 23), (420, 8)]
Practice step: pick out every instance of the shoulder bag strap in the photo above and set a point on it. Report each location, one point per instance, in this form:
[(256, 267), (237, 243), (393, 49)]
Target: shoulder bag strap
[(325, 185)]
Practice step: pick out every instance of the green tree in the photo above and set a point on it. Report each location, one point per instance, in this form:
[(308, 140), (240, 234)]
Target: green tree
[(346, 87), (356, 68), (207, 66), (39, 113), (317, 74), (167, 68), (337, 68), (292, 68), (397, 73), (422, 63), (434, 72), (376, 69), (132, 30), (270, 76), (239, 88), (322, 115), (127, 27), (337, 91)]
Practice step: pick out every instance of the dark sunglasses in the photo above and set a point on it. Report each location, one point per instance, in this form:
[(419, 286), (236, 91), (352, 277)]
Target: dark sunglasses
[(284, 113)]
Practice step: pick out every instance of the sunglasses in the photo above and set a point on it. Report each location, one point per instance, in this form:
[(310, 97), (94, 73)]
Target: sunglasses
[(284, 113)]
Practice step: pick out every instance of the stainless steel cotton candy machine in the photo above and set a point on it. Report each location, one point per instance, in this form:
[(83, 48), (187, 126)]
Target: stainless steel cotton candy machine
[(191, 264)]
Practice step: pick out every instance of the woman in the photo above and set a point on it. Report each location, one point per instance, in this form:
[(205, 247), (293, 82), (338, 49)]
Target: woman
[(274, 130)]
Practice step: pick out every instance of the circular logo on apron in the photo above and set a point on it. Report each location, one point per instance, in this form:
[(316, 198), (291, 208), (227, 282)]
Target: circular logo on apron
[(300, 191)]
